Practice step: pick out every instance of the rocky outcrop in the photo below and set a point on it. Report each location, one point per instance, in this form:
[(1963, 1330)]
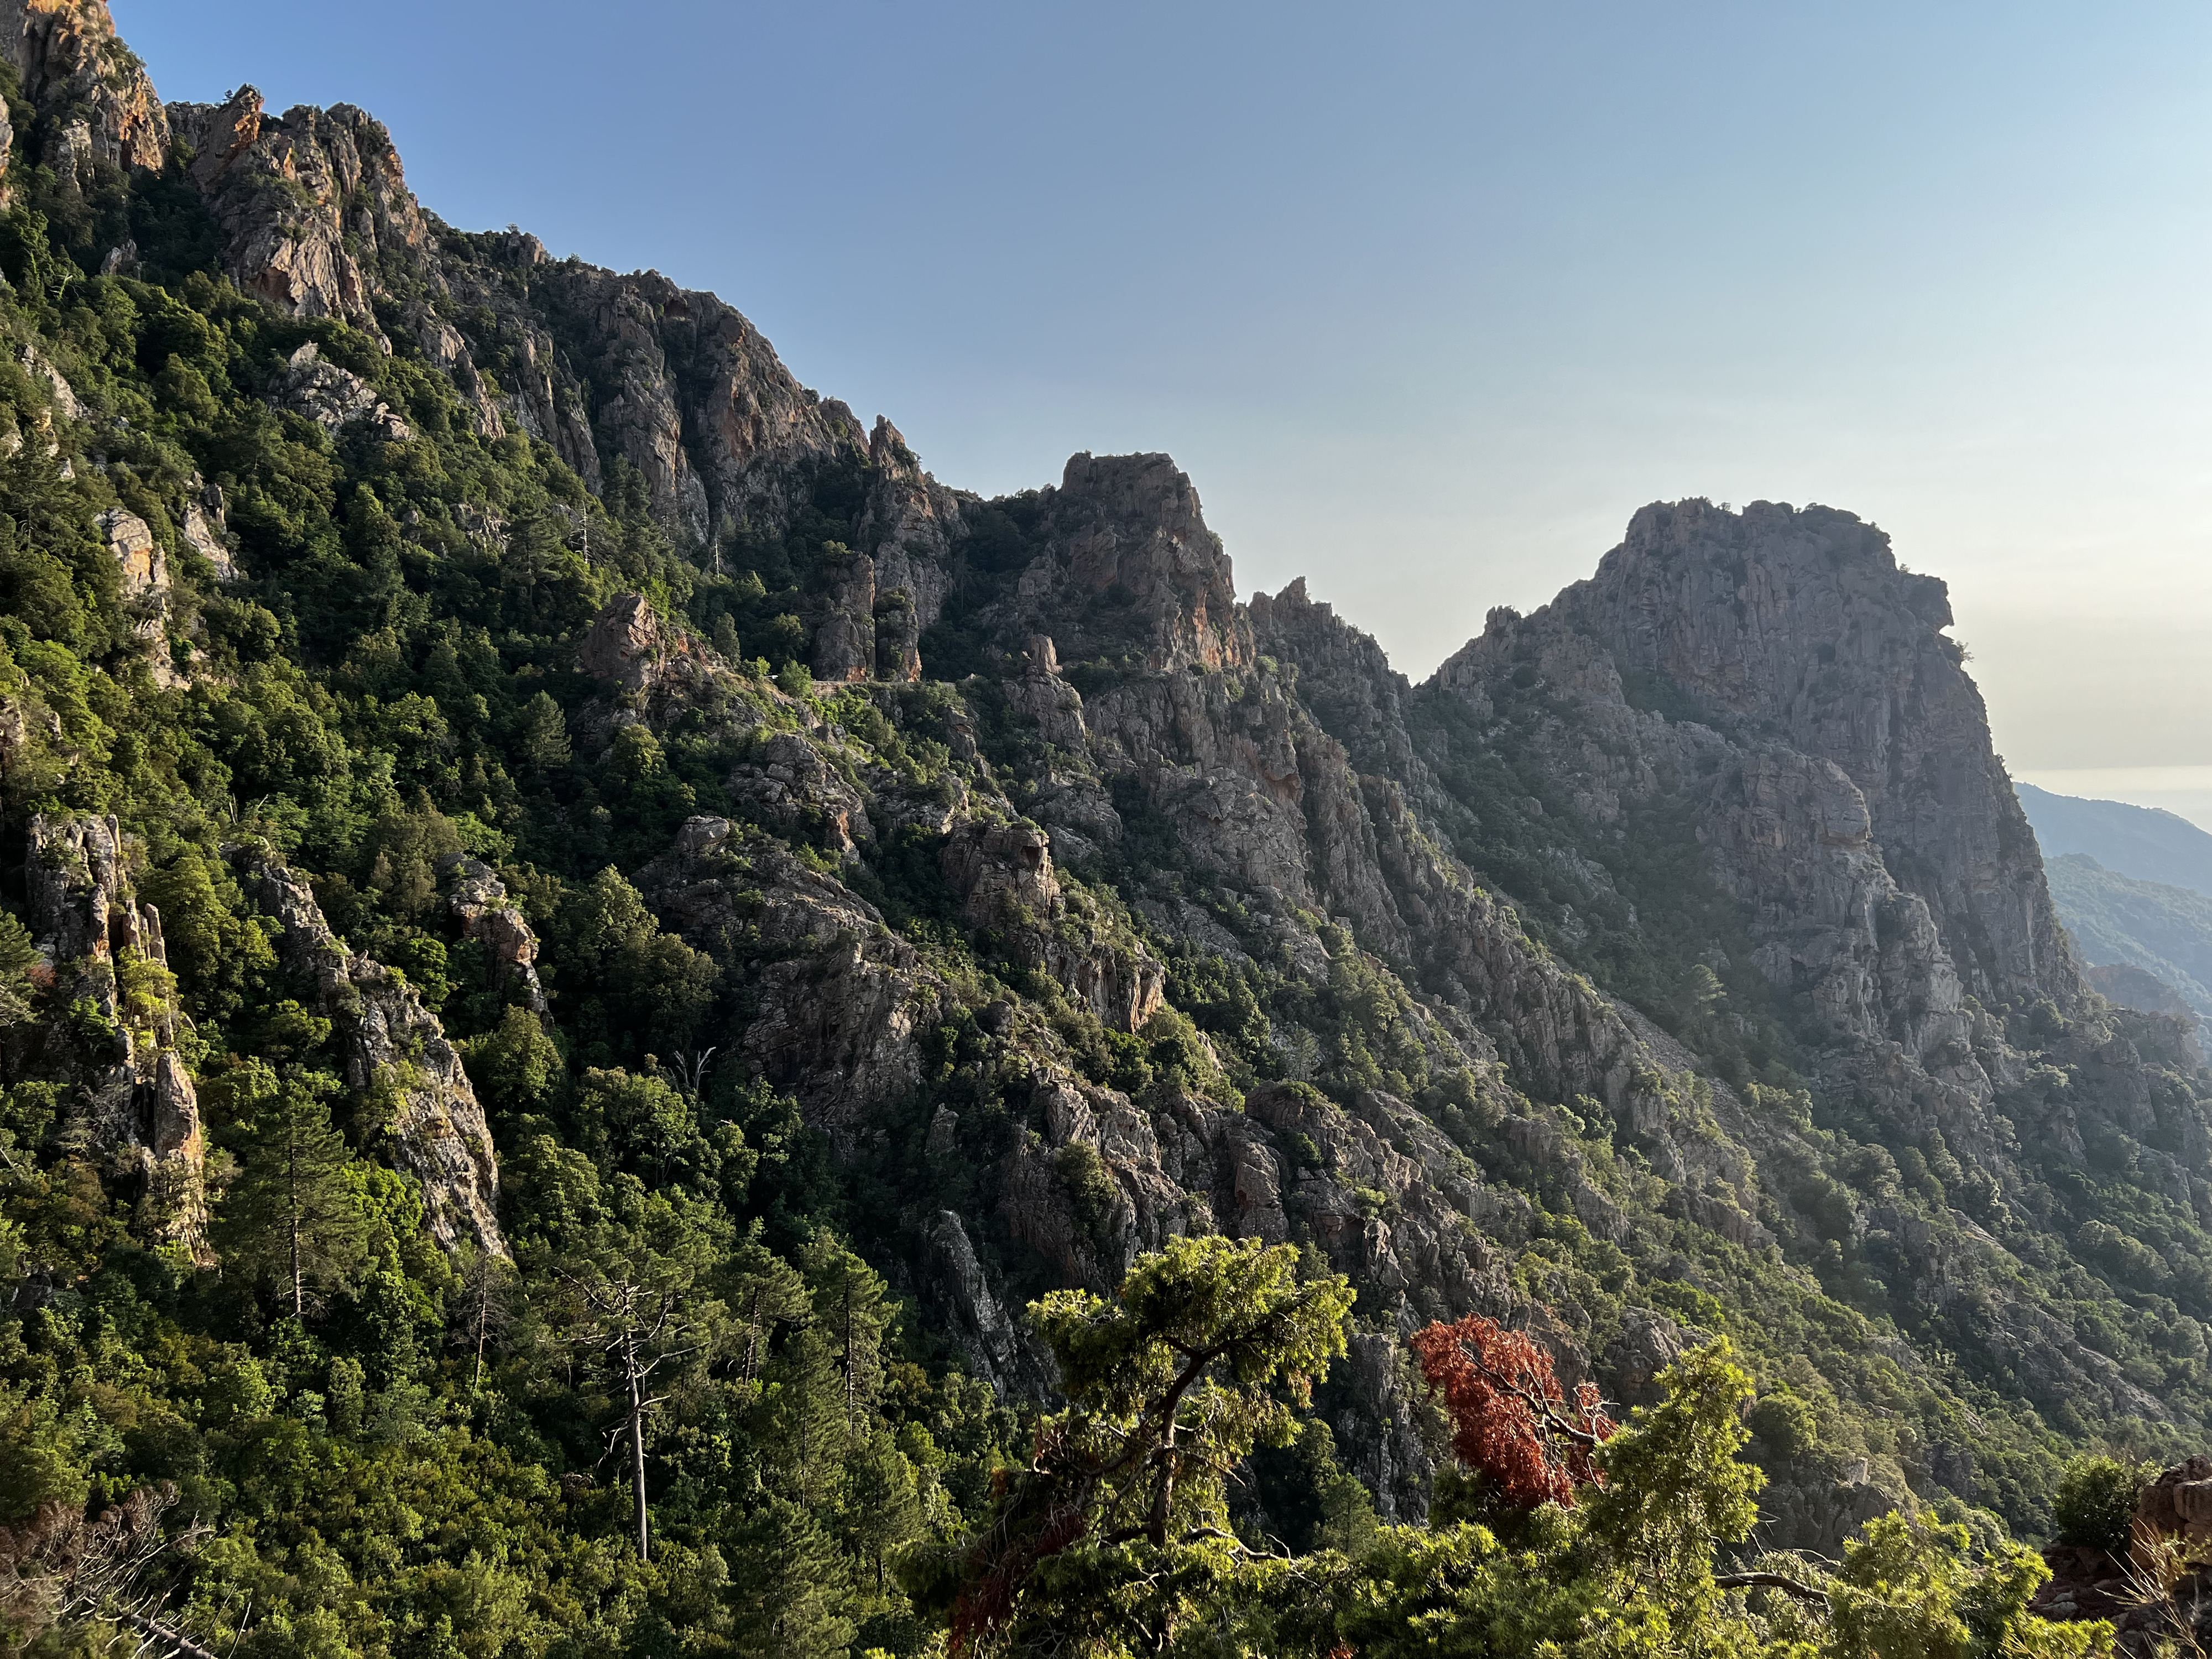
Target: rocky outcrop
[(898, 637), (320, 221), (313, 203), (395, 1046), (1003, 874), (203, 530), (839, 997), (2138, 988), (136, 1100), (334, 398), (845, 643), (1041, 696), (545, 401), (682, 387), (793, 785), (443, 347), (624, 645), (62, 396), (909, 527), (1885, 941), (478, 901), (639, 413), (1124, 566), (997, 1347), (70, 63), (1802, 621), (654, 671), (2174, 1519), (139, 561)]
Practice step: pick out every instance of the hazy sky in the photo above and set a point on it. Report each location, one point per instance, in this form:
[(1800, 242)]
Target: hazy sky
[(1428, 299)]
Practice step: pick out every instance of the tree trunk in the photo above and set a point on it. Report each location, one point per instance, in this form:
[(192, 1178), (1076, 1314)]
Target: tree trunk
[(153, 1629), (298, 1280), (636, 1443)]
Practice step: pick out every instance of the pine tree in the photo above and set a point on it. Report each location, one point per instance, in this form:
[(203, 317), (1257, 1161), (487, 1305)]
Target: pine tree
[(293, 1215), (483, 1307), (789, 1588), (853, 1311), (765, 1291), (542, 734), (637, 1297), (882, 1507)]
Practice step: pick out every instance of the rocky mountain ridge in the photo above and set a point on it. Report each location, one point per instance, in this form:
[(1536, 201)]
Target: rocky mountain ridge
[(1676, 959)]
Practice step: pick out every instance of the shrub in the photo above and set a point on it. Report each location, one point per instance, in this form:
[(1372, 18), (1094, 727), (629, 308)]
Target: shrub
[(2095, 1504), (1785, 1425)]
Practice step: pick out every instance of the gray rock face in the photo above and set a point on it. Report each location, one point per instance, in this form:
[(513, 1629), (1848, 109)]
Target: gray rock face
[(842, 999), (62, 395), (997, 1347), (1802, 621), (1005, 876), (793, 785), (1043, 697), (203, 534), (845, 644), (1127, 564), (1886, 930), (316, 209), (542, 398), (625, 647), (652, 670), (392, 1042), (138, 1099), (332, 398), (909, 527)]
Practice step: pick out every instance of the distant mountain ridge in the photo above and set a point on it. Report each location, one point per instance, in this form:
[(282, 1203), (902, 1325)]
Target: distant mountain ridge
[(2163, 930), (2144, 843)]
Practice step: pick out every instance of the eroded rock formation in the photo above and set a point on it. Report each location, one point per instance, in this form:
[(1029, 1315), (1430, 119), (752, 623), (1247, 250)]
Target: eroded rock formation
[(136, 1103), (396, 1046)]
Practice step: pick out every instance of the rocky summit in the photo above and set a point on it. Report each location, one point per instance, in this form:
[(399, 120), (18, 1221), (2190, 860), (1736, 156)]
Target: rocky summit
[(604, 980)]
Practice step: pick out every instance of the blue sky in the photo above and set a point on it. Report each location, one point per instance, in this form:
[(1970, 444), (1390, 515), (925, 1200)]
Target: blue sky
[(1428, 299)]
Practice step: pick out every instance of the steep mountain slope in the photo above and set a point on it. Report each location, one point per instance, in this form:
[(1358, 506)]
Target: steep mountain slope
[(512, 788), (2144, 843), (2116, 920)]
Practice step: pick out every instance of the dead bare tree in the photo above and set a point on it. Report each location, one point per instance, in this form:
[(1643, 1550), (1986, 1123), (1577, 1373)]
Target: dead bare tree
[(64, 1569), (689, 1073), (483, 1308), (638, 1329)]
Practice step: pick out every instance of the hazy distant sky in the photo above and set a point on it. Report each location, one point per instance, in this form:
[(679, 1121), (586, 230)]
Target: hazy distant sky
[(1428, 299)]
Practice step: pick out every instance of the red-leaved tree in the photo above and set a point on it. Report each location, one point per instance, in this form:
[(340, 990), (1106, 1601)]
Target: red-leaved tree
[(1511, 1420)]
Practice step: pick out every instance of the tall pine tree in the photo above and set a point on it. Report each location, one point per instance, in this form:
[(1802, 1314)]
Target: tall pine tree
[(293, 1217)]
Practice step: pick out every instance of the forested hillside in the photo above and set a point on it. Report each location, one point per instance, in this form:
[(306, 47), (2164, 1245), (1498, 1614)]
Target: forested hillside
[(630, 1027), (2166, 932)]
